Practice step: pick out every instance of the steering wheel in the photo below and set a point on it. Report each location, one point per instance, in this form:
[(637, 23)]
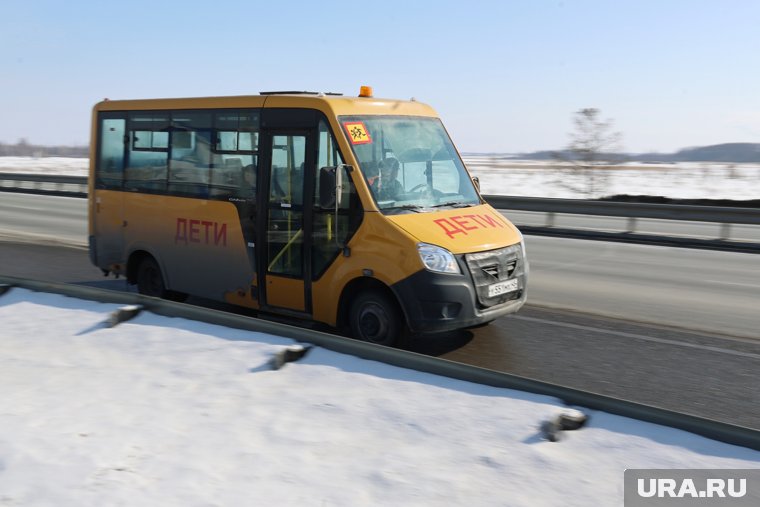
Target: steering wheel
[(429, 190)]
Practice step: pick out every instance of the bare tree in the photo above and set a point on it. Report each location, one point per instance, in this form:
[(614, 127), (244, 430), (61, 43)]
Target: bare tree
[(593, 147)]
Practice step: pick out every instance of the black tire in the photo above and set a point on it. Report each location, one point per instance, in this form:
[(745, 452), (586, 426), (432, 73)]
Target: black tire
[(375, 318), (150, 281)]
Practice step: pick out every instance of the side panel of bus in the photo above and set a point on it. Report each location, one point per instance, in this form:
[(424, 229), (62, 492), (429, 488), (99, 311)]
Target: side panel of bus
[(166, 186), (162, 185), (198, 243)]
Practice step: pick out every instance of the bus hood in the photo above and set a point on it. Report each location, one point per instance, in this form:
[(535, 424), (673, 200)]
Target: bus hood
[(460, 230)]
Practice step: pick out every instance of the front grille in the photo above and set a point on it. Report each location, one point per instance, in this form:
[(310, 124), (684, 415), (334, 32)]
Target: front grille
[(488, 268)]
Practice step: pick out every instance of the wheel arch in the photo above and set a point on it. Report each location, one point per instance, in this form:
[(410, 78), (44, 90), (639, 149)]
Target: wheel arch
[(357, 286), (133, 263)]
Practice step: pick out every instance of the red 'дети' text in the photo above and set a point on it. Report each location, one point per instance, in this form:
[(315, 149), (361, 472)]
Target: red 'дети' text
[(460, 224), (190, 230)]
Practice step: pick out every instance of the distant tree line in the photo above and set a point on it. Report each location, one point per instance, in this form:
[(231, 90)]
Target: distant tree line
[(24, 149), (736, 153)]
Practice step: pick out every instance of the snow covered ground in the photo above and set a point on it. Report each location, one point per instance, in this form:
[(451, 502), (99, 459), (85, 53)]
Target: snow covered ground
[(686, 180), (170, 412), (499, 176), (45, 165)]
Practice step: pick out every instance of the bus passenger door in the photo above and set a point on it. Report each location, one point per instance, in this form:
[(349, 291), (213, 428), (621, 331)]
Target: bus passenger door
[(285, 239)]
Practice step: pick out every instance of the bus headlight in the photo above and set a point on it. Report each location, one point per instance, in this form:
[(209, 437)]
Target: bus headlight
[(524, 253), (437, 259)]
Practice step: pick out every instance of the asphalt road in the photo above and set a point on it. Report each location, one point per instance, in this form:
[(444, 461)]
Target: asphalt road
[(668, 327), (43, 219)]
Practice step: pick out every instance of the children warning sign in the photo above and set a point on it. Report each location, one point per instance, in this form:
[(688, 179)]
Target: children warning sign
[(357, 132)]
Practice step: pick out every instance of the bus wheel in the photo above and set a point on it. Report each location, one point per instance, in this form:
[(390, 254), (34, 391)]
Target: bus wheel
[(149, 279), (375, 318)]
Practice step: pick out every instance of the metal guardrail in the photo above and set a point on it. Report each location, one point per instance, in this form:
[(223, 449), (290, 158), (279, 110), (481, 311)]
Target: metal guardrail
[(722, 216), (728, 215), (48, 184), (681, 212), (76, 186), (716, 430)]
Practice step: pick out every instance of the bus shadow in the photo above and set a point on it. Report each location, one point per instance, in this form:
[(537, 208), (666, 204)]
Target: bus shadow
[(427, 344), (437, 344), (119, 285)]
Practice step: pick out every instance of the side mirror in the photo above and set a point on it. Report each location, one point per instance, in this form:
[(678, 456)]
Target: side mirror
[(331, 186), (327, 184), (476, 181)]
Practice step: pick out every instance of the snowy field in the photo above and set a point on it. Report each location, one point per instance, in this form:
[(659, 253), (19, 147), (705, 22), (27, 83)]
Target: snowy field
[(45, 165), (170, 412), (498, 176), (684, 180)]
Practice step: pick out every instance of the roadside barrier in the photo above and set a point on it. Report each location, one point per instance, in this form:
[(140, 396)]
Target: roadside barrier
[(723, 217), (47, 184)]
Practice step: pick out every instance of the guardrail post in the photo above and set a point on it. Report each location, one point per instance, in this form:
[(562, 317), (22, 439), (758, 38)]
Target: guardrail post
[(631, 225), (550, 219), (725, 230)]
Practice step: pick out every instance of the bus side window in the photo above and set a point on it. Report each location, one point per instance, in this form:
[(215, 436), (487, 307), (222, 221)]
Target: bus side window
[(235, 148), (330, 234), (288, 157), (147, 154), (190, 161), (110, 163)]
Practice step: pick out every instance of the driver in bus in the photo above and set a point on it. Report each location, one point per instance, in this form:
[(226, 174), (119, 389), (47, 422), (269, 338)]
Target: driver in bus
[(386, 187)]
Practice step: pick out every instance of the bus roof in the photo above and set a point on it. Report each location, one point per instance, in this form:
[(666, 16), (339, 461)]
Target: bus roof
[(327, 102)]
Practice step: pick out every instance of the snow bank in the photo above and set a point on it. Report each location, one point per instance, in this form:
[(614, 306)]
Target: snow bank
[(160, 411)]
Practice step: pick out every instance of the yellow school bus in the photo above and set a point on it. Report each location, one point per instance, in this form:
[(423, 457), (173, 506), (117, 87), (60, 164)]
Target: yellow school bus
[(355, 212)]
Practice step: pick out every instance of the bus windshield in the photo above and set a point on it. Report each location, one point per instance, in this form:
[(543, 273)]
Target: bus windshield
[(409, 163)]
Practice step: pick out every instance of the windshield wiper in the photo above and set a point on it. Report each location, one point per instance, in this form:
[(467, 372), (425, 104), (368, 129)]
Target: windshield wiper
[(413, 207), (454, 204)]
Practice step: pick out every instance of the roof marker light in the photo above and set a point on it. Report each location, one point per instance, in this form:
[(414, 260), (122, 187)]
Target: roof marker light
[(365, 91)]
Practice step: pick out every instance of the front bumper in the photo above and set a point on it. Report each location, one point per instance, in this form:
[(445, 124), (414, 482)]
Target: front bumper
[(436, 302)]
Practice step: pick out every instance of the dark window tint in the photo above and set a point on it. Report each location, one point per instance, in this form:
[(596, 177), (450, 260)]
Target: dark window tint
[(147, 155), (110, 161), (193, 153), (235, 153), (190, 161)]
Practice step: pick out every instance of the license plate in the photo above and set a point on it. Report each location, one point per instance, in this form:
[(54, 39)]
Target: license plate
[(500, 288)]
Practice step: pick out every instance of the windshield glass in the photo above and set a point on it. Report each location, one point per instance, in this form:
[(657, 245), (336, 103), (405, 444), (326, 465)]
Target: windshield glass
[(409, 163)]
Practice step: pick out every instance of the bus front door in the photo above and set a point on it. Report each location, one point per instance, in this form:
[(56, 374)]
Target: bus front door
[(284, 268)]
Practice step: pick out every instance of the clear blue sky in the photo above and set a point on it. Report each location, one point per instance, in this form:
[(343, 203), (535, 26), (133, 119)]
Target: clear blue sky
[(506, 76)]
